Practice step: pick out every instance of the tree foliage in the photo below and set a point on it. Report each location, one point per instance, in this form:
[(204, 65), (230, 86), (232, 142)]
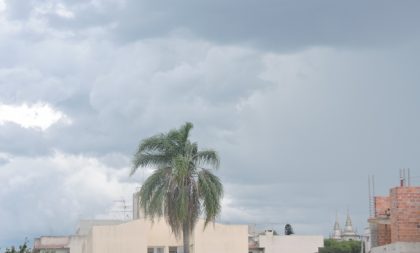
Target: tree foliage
[(182, 186), (334, 246), (288, 230), (24, 248)]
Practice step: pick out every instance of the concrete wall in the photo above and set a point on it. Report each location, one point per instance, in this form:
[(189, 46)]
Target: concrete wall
[(220, 238), (290, 243), (160, 235), (77, 244), (128, 237), (60, 244), (399, 247), (136, 236)]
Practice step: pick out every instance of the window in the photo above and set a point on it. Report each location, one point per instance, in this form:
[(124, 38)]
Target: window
[(176, 249), (155, 249)]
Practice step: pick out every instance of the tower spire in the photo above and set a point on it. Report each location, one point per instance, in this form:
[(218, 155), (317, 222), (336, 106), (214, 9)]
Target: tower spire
[(336, 231), (348, 233)]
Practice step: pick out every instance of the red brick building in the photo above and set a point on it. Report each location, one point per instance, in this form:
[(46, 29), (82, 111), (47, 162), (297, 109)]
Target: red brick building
[(397, 217)]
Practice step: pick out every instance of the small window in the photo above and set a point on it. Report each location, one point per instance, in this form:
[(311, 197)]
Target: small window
[(175, 249), (155, 249)]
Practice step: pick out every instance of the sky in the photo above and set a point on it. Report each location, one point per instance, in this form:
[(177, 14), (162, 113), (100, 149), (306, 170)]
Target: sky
[(303, 100)]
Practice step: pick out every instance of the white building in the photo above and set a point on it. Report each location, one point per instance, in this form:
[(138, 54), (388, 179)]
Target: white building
[(144, 236), (268, 242)]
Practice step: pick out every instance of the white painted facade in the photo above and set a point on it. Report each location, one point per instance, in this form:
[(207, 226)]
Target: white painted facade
[(144, 236), (267, 242)]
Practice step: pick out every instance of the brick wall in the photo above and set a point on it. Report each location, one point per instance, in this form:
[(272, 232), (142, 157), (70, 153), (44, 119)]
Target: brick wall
[(383, 234), (380, 224), (405, 214), (382, 204)]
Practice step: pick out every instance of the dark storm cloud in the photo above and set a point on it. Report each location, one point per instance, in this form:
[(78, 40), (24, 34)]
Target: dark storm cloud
[(278, 24), (274, 25)]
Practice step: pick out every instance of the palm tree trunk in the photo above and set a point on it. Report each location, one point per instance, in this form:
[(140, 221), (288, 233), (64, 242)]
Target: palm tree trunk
[(186, 237)]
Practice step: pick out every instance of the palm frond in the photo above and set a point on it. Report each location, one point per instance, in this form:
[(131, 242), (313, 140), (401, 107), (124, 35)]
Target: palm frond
[(211, 192), (147, 159), (153, 190), (154, 143), (185, 131), (207, 157)]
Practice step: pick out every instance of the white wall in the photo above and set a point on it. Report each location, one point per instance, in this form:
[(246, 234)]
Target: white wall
[(136, 236), (220, 238), (130, 237), (290, 243)]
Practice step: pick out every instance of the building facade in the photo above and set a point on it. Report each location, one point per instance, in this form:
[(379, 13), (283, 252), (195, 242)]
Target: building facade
[(395, 226), (269, 242), (145, 236)]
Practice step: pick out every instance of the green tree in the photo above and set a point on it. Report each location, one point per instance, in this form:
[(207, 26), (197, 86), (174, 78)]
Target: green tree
[(288, 230), (182, 186), (24, 248), (334, 246)]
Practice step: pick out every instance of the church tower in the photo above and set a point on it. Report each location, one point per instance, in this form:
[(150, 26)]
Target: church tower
[(336, 231), (348, 233)]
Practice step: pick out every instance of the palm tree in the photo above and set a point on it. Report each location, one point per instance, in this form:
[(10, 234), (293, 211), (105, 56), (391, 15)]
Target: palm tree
[(182, 186)]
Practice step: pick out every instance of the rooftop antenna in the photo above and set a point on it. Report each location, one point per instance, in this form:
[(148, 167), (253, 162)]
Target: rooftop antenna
[(125, 209)]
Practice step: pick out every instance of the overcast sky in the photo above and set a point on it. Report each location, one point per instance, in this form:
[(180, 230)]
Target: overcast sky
[(302, 100)]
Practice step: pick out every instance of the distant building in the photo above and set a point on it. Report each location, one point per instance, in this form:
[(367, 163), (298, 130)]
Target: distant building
[(395, 227), (72, 243), (347, 234), (269, 242), (144, 236)]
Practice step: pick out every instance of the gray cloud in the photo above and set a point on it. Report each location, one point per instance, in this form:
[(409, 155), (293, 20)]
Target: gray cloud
[(277, 25), (302, 101), (40, 196)]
